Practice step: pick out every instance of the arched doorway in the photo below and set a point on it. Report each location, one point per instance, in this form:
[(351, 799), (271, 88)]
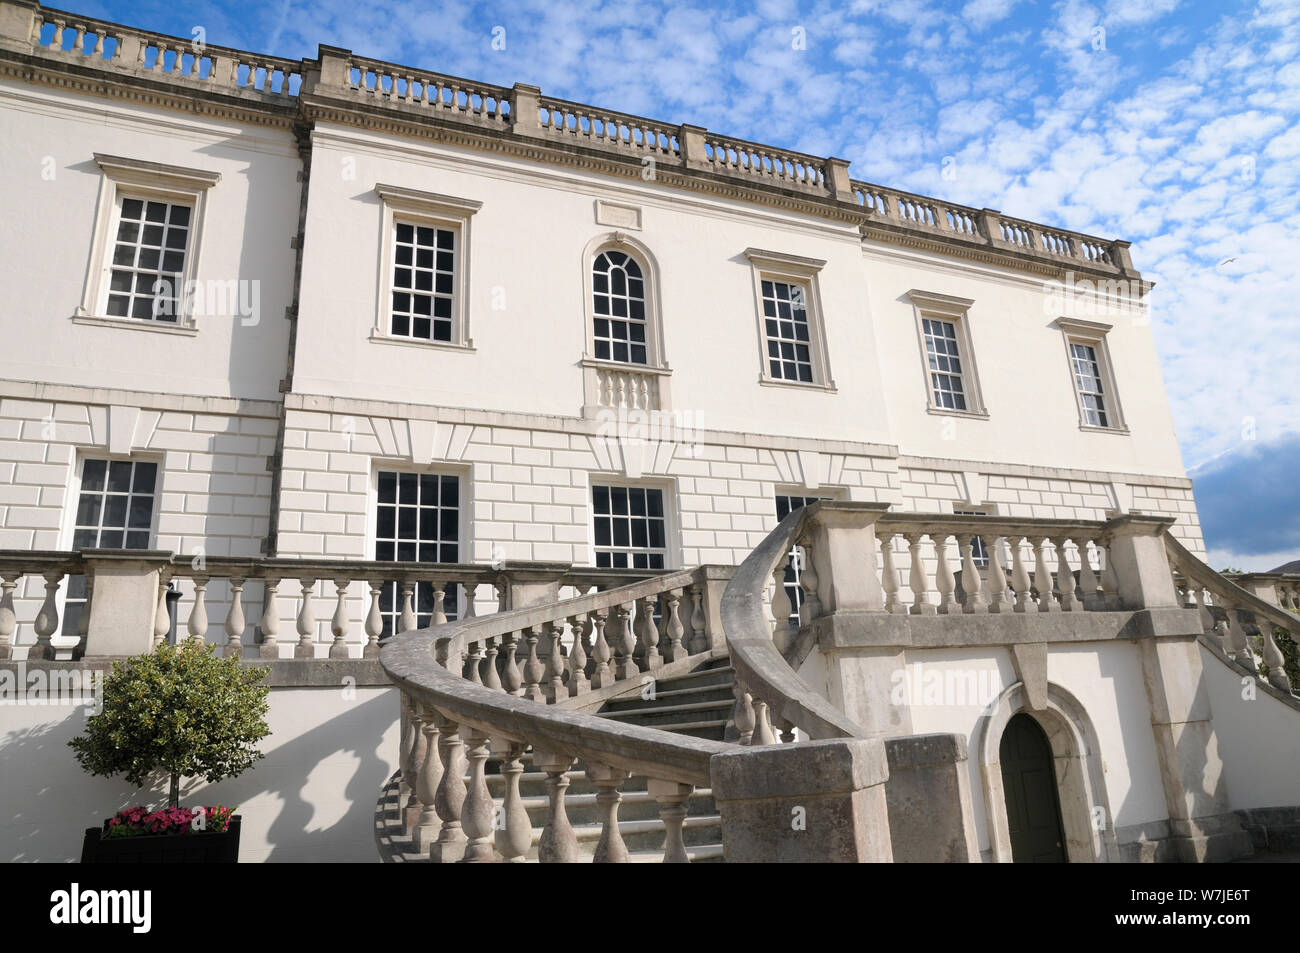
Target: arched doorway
[(1033, 802)]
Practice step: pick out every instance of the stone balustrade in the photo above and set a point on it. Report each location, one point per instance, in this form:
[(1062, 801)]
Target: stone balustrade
[(339, 77), (627, 388), (90, 42), (288, 602), (1228, 611)]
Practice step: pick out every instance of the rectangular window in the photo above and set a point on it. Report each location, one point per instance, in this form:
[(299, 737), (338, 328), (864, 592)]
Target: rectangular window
[(786, 503), (424, 281), (114, 511), (785, 324), (947, 387), (417, 519), (979, 552), (630, 527), (148, 262), (1088, 380)]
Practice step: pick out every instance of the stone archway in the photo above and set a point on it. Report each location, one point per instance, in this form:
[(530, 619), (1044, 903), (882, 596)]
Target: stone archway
[(1085, 808)]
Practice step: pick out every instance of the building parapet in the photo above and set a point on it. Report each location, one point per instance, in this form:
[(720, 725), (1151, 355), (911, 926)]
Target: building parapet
[(339, 86)]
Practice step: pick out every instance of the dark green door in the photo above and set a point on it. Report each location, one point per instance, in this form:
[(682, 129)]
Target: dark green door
[(1029, 780)]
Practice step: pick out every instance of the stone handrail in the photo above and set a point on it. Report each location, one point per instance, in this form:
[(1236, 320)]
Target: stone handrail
[(187, 64), (146, 53), (105, 569), (463, 687), (1284, 586), (1202, 587), (847, 560)]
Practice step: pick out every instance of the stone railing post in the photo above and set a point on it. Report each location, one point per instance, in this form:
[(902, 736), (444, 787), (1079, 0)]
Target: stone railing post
[(525, 106), (813, 802), (334, 70), (690, 141), (18, 25), (931, 819), (838, 182), (1136, 552), (844, 552), (122, 614), (990, 221)]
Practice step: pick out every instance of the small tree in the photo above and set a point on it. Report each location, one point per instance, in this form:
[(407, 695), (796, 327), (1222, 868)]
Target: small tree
[(179, 710)]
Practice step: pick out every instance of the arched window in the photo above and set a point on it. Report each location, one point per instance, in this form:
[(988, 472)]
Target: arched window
[(618, 305)]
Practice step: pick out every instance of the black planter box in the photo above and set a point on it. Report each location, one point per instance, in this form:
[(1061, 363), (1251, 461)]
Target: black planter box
[(207, 847)]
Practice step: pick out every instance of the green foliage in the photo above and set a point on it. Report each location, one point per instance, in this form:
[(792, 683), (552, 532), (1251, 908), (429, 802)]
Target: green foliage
[(179, 711), (1230, 571)]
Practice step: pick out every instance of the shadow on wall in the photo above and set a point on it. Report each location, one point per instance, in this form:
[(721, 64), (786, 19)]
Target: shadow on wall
[(311, 798)]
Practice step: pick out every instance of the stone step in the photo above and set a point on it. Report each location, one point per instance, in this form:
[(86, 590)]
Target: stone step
[(723, 675), (667, 717), (703, 693)]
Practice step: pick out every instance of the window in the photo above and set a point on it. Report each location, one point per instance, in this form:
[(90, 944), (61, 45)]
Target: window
[(114, 511), (630, 527), (424, 277), (789, 315), (951, 382), (1090, 370), (978, 550), (146, 245), (786, 503), (417, 519), (148, 259), (785, 323), (618, 308)]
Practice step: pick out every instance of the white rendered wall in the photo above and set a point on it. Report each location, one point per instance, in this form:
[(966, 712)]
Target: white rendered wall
[(312, 798)]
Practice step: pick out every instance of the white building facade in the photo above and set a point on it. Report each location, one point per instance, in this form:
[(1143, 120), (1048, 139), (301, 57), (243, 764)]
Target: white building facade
[(403, 316)]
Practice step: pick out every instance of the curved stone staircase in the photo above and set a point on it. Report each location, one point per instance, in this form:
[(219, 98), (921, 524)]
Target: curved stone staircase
[(697, 704)]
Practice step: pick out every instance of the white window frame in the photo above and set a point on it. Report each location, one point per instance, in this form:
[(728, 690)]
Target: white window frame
[(955, 311), (439, 211), (792, 269), (1094, 335), (125, 178), (820, 495), (672, 529)]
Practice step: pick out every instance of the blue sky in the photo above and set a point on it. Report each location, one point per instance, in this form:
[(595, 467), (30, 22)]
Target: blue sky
[(1173, 124)]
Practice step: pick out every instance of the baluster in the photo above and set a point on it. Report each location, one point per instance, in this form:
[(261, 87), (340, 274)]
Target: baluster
[(763, 734), (403, 746), (514, 834), (808, 580), (781, 608), (411, 769), (306, 647), (624, 643), (474, 658), (1203, 610), (339, 624), (742, 713), (601, 675), (997, 588), (162, 622), (558, 843), (610, 849), (672, 797), (198, 623), (511, 678), (439, 605), (1277, 675), (428, 779), (476, 815), (972, 582), (578, 684), (450, 797), (471, 593), (555, 690), (699, 641), (235, 621), (1109, 584), (918, 579), (1094, 600), (8, 618), (56, 41), (533, 670), (270, 619), (1042, 578), (1020, 583), (649, 640), (672, 624), (374, 621), (491, 677), (83, 621), (406, 620), (889, 574), (943, 578), (786, 729), (1241, 650), (78, 43), (1065, 585)]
